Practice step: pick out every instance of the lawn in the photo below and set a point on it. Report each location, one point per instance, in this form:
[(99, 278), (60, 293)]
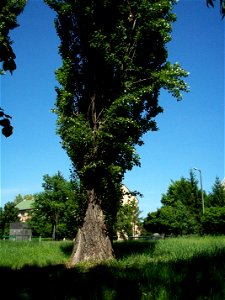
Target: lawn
[(175, 268)]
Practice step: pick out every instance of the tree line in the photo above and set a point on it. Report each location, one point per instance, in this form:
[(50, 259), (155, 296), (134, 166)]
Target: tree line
[(181, 212), (58, 210)]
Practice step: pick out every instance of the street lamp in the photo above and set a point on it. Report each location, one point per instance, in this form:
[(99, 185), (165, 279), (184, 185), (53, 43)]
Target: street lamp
[(203, 206)]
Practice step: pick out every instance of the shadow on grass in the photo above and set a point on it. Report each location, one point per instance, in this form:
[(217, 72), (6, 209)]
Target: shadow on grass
[(126, 248), (121, 249), (201, 277)]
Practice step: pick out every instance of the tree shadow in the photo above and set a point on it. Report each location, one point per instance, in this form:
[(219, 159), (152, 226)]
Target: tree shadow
[(126, 248), (67, 248), (199, 277)]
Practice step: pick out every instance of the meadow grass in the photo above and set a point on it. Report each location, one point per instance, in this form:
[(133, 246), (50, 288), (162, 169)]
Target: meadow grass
[(169, 269), (16, 254)]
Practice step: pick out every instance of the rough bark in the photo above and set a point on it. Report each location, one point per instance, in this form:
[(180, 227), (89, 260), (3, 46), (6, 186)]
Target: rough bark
[(92, 242)]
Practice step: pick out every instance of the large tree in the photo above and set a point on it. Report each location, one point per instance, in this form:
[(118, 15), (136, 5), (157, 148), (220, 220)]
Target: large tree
[(9, 10), (114, 65)]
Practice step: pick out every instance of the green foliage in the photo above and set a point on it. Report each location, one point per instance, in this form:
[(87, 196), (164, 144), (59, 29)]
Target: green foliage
[(217, 196), (186, 191), (16, 254), (56, 210), (128, 219), (9, 10), (19, 198), (181, 210), (114, 66), (171, 220), (7, 215), (213, 220)]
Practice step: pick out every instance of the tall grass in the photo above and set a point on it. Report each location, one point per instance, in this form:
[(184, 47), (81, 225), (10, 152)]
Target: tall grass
[(16, 254), (170, 269)]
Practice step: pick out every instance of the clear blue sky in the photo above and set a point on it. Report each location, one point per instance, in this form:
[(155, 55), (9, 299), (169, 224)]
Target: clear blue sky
[(191, 132)]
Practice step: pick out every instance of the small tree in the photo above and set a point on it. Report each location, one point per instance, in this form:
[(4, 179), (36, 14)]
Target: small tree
[(56, 208), (128, 220), (217, 196), (8, 214)]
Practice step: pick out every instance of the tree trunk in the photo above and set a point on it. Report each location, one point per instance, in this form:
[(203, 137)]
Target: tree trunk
[(92, 241)]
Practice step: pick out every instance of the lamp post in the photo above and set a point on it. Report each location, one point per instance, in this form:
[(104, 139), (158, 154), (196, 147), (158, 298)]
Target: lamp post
[(203, 206)]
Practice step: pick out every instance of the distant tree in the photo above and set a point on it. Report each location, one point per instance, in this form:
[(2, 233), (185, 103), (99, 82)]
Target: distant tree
[(175, 220), (150, 223), (128, 219), (217, 196), (2, 225), (8, 214), (56, 208), (187, 192), (19, 198), (9, 10), (114, 65), (181, 209), (213, 220)]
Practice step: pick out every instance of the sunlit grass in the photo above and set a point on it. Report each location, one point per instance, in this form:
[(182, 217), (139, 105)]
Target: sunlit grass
[(16, 254), (169, 269)]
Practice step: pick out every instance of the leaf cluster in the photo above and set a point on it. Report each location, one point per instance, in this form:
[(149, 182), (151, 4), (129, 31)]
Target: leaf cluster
[(222, 6), (9, 10), (8, 214), (5, 123)]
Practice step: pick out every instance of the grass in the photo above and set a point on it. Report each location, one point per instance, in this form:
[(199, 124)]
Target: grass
[(17, 254), (177, 268)]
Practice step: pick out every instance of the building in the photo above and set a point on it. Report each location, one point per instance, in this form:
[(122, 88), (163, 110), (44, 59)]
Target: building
[(129, 199), (24, 208), (20, 231)]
